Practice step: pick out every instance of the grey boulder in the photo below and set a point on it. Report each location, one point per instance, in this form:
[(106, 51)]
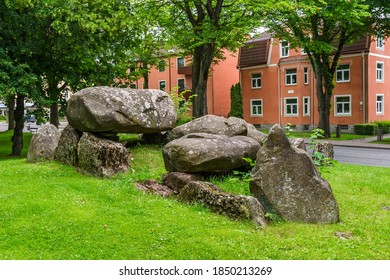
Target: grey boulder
[(287, 183), (202, 152), (118, 110), (43, 144), (210, 124), (101, 157)]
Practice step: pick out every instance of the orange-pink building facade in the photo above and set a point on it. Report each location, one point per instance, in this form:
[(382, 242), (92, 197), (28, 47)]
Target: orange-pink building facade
[(278, 84), (176, 73)]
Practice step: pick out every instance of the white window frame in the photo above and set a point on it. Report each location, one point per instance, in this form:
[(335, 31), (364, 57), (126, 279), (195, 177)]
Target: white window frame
[(380, 72), (165, 85), (286, 114), (306, 106), (306, 75), (291, 75), (343, 114), (284, 49), (257, 80), (343, 73), (381, 104), (380, 42), (257, 106)]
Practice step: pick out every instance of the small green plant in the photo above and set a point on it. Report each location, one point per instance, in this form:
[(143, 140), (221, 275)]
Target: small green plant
[(317, 156), (182, 104), (244, 175)]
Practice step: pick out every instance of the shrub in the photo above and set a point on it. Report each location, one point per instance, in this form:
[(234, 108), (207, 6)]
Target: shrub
[(385, 125), (365, 129), (182, 104), (236, 109)]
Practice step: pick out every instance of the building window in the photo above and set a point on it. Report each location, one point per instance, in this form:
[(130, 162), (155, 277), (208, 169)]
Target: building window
[(303, 51), (180, 62), (343, 73), (256, 107), (342, 105), (379, 104), (284, 48), (161, 85), (133, 86), (291, 77), (181, 84), (256, 80), (379, 71), (291, 107), (305, 75), (306, 106), (161, 66), (380, 42)]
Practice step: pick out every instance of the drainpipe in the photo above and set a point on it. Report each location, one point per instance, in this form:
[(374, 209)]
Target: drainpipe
[(364, 87), (279, 98), (312, 99)]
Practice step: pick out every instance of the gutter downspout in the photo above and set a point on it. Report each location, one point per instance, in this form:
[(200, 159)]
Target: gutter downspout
[(279, 98), (364, 87)]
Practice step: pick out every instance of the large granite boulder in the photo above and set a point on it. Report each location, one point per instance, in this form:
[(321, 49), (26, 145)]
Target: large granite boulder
[(43, 144), (118, 110), (66, 151), (101, 157), (234, 206), (287, 183), (210, 124), (202, 152)]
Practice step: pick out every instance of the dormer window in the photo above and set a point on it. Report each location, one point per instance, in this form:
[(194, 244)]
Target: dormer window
[(284, 48), (380, 42)]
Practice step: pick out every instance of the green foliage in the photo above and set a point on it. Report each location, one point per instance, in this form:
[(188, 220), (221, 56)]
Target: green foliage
[(245, 176), (365, 129), (183, 105), (236, 108), (384, 125)]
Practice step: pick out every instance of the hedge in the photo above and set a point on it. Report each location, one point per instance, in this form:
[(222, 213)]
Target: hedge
[(385, 125), (365, 129)]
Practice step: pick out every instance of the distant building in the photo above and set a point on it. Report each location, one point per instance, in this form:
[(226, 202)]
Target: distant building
[(176, 72), (278, 84)]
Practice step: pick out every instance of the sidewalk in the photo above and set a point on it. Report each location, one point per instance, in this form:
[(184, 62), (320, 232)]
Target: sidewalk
[(363, 143)]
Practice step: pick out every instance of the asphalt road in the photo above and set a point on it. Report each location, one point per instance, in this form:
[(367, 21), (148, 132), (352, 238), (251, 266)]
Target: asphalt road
[(362, 156)]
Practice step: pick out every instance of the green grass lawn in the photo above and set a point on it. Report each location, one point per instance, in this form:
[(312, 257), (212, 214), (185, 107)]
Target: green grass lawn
[(49, 211)]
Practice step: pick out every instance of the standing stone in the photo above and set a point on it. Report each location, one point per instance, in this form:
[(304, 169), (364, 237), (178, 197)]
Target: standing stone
[(234, 206), (202, 152), (118, 110), (66, 151), (101, 157), (298, 143), (287, 183), (43, 144)]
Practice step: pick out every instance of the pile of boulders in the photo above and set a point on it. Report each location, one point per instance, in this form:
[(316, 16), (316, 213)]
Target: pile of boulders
[(96, 115), (285, 180)]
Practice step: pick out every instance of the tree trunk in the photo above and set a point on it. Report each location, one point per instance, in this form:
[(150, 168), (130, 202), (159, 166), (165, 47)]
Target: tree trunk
[(54, 114), (17, 138), (146, 75), (324, 89), (11, 112), (202, 59)]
